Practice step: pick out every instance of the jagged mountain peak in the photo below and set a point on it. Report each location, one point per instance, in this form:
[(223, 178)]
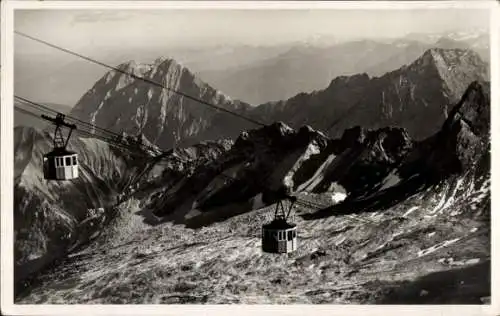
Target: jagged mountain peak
[(445, 58), (132, 67), (463, 138), (124, 103), (388, 143), (474, 108), (451, 56), (281, 135), (161, 61), (155, 71), (280, 127), (349, 80), (467, 129), (276, 129)]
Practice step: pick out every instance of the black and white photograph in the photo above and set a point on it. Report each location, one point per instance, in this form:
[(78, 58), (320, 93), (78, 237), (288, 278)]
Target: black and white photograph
[(247, 154)]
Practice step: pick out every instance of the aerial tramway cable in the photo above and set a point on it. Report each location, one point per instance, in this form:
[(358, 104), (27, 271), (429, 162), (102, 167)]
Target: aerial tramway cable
[(88, 130), (86, 133), (88, 126), (47, 109)]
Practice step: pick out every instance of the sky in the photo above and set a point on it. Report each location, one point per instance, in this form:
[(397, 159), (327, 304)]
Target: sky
[(114, 36), (83, 28)]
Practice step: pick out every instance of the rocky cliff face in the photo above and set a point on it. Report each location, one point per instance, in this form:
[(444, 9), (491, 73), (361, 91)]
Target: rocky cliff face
[(121, 103)]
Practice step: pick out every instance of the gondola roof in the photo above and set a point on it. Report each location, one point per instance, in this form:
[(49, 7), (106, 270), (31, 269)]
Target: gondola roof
[(279, 224), (59, 152)]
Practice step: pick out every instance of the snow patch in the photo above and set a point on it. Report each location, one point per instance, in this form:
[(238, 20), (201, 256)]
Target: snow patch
[(438, 207), (391, 180), (340, 241), (257, 202), (109, 76), (410, 211), (33, 256), (451, 262), (436, 247), (318, 175), (450, 201), (338, 197), (192, 213), (473, 261), (397, 234), (312, 149)]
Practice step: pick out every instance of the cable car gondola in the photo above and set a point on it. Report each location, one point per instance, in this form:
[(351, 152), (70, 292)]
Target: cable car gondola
[(280, 236), (60, 163)]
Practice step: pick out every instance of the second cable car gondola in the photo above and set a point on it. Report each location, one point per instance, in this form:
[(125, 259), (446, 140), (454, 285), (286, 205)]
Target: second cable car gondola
[(60, 163), (280, 236)]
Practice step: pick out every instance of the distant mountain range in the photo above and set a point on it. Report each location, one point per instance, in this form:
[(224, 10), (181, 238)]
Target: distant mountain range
[(306, 68), (415, 96), (237, 70)]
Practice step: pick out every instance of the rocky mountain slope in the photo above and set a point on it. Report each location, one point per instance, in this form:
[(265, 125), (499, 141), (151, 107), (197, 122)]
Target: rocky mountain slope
[(47, 214), (308, 68), (382, 219), (417, 97), (52, 218)]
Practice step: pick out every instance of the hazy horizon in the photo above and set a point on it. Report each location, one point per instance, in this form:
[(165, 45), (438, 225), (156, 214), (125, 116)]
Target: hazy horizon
[(114, 36)]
